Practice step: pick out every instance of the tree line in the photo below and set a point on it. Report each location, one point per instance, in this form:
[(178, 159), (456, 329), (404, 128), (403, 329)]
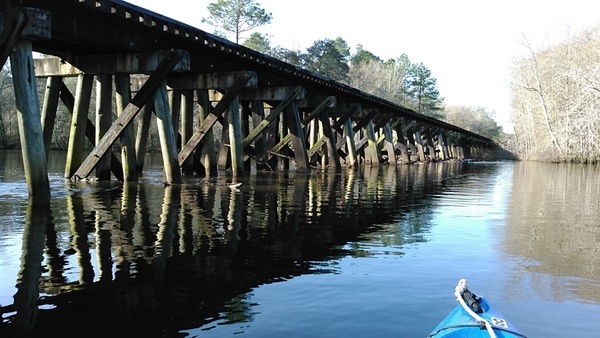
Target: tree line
[(556, 100), (399, 80)]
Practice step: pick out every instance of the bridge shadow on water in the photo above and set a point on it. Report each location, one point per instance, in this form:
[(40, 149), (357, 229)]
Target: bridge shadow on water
[(106, 259)]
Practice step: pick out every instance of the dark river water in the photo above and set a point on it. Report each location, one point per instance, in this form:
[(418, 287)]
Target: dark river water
[(373, 252)]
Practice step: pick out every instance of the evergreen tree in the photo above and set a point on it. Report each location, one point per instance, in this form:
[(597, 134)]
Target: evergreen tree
[(422, 89), (258, 42), (237, 16), (329, 58), (363, 56)]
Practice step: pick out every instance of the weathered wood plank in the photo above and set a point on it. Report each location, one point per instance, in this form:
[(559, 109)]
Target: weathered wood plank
[(187, 125), (212, 118), (29, 119), (208, 150), (141, 138), (234, 120), (132, 63), (372, 153), (49, 107), (260, 143), (292, 118), (166, 135), (128, 154), (352, 157), (333, 157), (83, 95), (258, 130), (193, 81), (389, 143), (103, 120), (90, 131), (401, 144), (129, 113)]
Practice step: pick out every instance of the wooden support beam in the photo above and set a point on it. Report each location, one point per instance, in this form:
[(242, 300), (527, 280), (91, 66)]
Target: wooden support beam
[(419, 144), (49, 108), (320, 108), (234, 125), (260, 143), (401, 144), (208, 150), (128, 153), (389, 143), (346, 116), (81, 108), (365, 121), (333, 157), (258, 130), (372, 154), (141, 138), (166, 134), (90, 131), (103, 120), (194, 81), (132, 63), (212, 118), (187, 126), (129, 113), (351, 159), (288, 138), (29, 119), (292, 118)]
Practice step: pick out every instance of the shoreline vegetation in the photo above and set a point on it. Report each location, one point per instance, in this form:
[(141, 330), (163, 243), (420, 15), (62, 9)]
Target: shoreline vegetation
[(555, 91)]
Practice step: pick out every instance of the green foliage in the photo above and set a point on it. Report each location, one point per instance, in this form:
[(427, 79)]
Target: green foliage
[(236, 16), (258, 42), (421, 87), (287, 55), (362, 56), (329, 58)]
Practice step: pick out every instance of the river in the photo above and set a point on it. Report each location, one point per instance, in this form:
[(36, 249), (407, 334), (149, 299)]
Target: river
[(373, 252)]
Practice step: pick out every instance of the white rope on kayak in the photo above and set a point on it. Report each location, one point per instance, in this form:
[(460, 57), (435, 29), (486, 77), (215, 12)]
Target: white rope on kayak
[(458, 291)]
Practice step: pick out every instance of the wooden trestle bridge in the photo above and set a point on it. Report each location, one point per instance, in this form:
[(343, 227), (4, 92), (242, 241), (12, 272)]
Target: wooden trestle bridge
[(273, 114)]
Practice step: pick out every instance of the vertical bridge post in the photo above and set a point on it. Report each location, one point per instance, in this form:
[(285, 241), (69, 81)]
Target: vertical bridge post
[(25, 87)]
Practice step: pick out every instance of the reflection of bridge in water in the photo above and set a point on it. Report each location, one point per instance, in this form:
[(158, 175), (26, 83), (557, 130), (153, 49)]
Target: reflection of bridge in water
[(270, 112), (150, 258)]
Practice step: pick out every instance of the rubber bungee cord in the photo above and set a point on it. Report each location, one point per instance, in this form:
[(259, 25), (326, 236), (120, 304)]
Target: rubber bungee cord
[(458, 291)]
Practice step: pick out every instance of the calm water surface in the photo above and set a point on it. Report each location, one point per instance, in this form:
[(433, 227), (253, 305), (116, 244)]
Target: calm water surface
[(368, 253)]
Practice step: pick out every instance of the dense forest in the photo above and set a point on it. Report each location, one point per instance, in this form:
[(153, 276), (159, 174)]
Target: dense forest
[(556, 101)]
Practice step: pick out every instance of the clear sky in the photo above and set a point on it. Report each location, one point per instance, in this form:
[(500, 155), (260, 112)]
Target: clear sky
[(469, 45)]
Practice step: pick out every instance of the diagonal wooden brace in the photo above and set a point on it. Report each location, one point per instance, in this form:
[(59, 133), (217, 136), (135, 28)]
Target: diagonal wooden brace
[(136, 104), (212, 118)]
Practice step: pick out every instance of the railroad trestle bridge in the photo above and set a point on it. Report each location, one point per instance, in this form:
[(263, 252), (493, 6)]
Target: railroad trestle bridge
[(273, 115)]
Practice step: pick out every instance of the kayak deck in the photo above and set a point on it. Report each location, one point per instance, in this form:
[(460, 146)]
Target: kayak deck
[(464, 322)]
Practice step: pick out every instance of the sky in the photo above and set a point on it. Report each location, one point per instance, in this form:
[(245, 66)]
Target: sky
[(469, 45)]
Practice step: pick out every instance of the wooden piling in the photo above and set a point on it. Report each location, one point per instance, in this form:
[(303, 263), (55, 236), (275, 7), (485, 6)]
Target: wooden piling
[(166, 135), (235, 137), (103, 120), (292, 118), (208, 149), (79, 124), (187, 126), (29, 119), (128, 147), (49, 107)]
